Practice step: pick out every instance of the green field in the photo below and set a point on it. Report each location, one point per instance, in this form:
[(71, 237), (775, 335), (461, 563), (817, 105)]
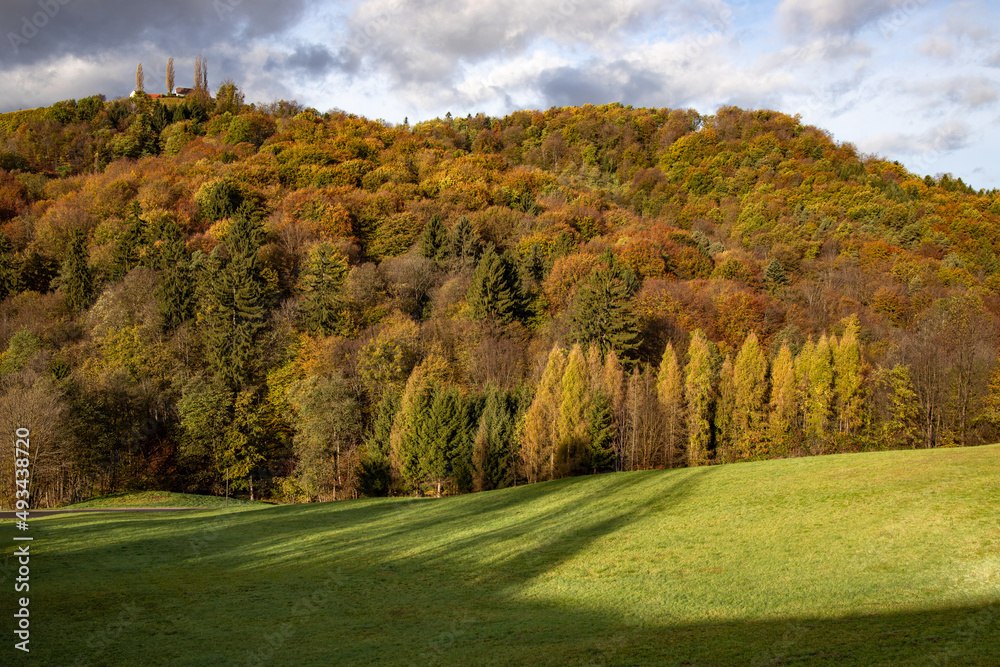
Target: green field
[(883, 558), (160, 499)]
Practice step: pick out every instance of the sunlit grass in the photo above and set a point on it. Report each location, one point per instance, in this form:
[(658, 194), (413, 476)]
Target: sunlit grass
[(887, 558), (159, 499)]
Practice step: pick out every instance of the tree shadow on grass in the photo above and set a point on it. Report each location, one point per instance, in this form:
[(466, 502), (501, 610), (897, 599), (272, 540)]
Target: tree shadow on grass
[(444, 582)]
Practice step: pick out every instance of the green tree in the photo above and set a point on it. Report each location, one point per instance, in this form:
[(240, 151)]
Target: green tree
[(322, 282), (439, 435), (244, 444), (495, 293), (176, 292), (76, 278), (774, 275), (670, 391), (465, 243), (127, 250), (374, 464), (601, 314), (900, 426), (496, 443), (698, 392), (750, 404), (725, 427), (599, 453), (434, 239)]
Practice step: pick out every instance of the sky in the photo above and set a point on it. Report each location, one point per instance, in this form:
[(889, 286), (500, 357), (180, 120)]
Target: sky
[(911, 80)]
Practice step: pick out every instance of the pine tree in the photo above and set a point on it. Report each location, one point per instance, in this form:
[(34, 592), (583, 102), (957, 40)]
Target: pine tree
[(76, 278), (465, 244), (434, 239), (322, 281), (601, 314), (374, 466), (698, 394), (176, 292), (774, 275), (848, 379), (541, 421), (725, 427), (496, 447), (670, 391), (439, 434), (599, 454), (244, 443), (750, 386), (126, 254), (236, 301), (574, 406), (784, 400), (140, 82), (170, 76), (405, 441), (495, 293)]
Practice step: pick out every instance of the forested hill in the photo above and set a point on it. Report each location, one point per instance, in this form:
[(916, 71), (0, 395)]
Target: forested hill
[(324, 305)]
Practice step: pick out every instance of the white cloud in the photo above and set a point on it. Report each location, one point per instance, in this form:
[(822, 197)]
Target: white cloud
[(944, 138), (801, 18)]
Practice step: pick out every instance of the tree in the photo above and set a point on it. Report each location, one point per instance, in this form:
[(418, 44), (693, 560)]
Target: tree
[(611, 383), (700, 400), (76, 278), (176, 292), (126, 253), (774, 275), (574, 407), (670, 390), (229, 98), (434, 239), (599, 454), (322, 282), (495, 293), (750, 401), (170, 76), (899, 427), (465, 242), (204, 74), (199, 82), (495, 449), (819, 397), (325, 418), (235, 302), (783, 396), (541, 421), (243, 446), (725, 427), (848, 380), (140, 85), (601, 314), (439, 434), (374, 464)]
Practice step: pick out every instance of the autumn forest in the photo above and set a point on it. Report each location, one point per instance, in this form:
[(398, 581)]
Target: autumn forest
[(314, 306)]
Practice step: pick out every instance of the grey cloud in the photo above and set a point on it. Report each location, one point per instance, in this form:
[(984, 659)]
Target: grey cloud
[(34, 31), (968, 91), (595, 84), (799, 18), (313, 59), (946, 137)]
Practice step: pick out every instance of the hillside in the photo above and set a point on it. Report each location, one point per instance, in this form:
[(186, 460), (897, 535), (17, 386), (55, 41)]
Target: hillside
[(882, 558), (324, 306)]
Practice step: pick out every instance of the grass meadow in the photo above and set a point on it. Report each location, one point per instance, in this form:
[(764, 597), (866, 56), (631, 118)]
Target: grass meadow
[(862, 559)]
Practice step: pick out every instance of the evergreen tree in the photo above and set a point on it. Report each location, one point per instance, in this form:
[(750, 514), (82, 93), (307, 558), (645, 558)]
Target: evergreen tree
[(670, 391), (176, 292), (612, 384), (601, 314), (495, 293), (127, 251), (322, 281), (235, 303), (244, 444), (440, 434), (434, 239), (749, 406), (76, 278), (698, 394), (541, 422), (725, 427), (465, 243), (599, 454), (848, 379), (574, 407), (407, 436), (8, 268), (374, 465), (496, 445), (774, 275), (783, 397)]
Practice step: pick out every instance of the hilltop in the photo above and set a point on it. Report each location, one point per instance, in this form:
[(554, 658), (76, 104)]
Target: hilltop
[(323, 305)]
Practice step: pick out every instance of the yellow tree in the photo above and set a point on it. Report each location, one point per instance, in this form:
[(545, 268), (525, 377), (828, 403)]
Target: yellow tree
[(848, 379), (784, 394), (750, 400), (542, 420), (670, 391), (574, 406), (698, 393)]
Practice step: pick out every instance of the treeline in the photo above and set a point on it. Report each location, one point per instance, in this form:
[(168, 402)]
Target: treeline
[(321, 306)]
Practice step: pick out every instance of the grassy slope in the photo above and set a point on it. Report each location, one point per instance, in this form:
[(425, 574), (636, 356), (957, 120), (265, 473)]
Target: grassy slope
[(159, 499), (887, 558)]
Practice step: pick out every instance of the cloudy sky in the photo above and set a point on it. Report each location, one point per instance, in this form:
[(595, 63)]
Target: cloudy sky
[(913, 80)]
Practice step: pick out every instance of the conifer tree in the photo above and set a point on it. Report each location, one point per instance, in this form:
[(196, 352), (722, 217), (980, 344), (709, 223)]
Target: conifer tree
[(698, 394), (170, 76), (612, 385), (322, 281), (76, 278), (819, 399), (434, 239), (803, 369), (900, 427), (464, 241), (176, 292), (126, 253), (784, 394), (495, 447), (495, 293), (439, 435), (599, 454), (670, 391), (750, 386), (774, 275), (541, 421), (8, 268), (406, 439), (374, 466), (848, 379), (574, 406), (725, 427), (601, 314)]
